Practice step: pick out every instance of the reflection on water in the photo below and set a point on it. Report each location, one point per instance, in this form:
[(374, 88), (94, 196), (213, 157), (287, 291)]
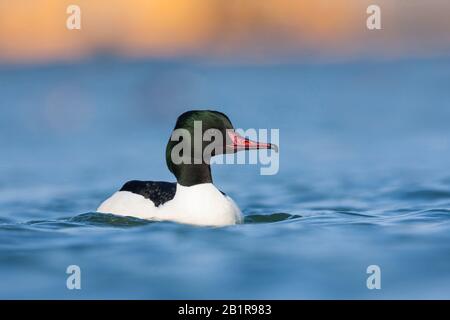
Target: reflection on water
[(363, 180)]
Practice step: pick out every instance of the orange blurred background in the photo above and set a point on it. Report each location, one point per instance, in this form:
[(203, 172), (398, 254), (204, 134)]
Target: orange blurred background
[(235, 30)]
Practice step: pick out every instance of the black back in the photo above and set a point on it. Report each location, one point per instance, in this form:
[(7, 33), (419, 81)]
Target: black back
[(158, 192)]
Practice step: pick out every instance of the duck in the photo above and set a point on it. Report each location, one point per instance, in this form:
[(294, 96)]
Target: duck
[(193, 199)]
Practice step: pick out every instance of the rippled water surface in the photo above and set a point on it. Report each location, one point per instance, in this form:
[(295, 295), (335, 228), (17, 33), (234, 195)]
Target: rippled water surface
[(363, 179)]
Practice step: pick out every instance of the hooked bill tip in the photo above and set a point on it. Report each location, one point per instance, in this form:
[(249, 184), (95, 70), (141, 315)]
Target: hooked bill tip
[(274, 147)]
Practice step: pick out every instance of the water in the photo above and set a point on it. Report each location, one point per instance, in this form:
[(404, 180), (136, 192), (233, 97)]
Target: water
[(363, 180)]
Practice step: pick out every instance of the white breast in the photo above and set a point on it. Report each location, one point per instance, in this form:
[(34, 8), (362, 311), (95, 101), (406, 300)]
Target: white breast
[(202, 204)]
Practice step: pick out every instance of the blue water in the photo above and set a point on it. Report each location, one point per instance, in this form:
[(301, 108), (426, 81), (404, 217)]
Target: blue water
[(363, 180)]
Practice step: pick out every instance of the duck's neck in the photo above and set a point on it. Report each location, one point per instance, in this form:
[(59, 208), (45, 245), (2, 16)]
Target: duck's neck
[(191, 174), (188, 174)]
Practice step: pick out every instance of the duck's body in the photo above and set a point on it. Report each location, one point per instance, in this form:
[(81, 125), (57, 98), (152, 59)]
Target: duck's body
[(193, 199), (201, 204)]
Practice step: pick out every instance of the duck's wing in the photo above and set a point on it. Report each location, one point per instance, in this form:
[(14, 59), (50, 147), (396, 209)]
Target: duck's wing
[(159, 192)]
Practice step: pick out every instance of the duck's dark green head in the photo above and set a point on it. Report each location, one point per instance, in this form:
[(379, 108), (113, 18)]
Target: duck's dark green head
[(210, 121), (198, 135)]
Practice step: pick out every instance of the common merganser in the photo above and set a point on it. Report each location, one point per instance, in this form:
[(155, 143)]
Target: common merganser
[(193, 199)]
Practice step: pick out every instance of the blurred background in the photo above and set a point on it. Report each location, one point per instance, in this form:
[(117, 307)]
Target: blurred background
[(364, 141), (251, 31), (310, 68)]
